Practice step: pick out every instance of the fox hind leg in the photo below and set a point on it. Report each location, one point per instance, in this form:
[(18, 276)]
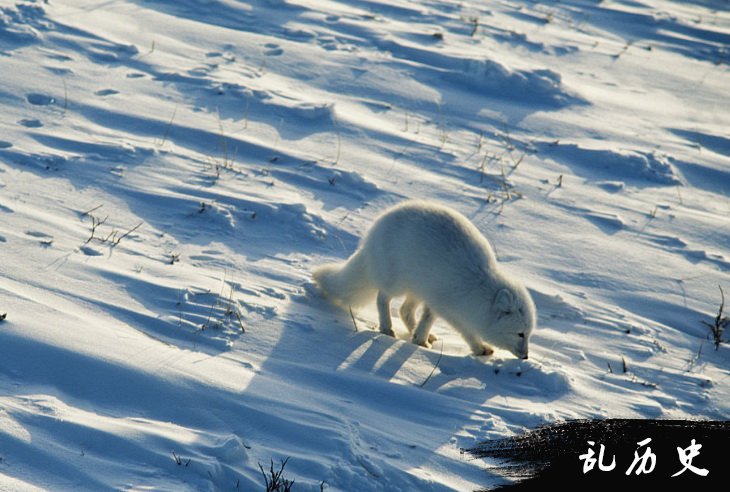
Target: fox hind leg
[(408, 316), (420, 334), (386, 325), (408, 312)]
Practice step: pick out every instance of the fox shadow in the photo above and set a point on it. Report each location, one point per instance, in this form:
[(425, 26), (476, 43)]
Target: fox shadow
[(390, 381), (442, 367)]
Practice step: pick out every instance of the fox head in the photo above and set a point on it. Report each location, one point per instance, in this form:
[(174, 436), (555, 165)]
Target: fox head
[(513, 317)]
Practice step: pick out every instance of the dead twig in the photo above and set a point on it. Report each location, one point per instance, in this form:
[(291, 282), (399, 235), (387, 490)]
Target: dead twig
[(95, 223), (274, 480), (179, 461), (441, 353), (118, 240), (84, 214)]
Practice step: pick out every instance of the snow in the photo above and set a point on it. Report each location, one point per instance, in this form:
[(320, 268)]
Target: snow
[(221, 150)]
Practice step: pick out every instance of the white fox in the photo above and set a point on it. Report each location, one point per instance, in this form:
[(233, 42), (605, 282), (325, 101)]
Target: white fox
[(433, 255)]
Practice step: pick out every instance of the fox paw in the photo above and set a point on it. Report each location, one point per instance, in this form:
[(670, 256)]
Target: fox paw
[(432, 338), (485, 351), (388, 332), (425, 343)]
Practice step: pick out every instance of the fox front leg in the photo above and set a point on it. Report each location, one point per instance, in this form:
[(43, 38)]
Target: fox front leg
[(478, 347)]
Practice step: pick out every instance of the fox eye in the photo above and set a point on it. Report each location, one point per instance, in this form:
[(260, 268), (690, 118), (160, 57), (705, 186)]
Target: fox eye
[(521, 335)]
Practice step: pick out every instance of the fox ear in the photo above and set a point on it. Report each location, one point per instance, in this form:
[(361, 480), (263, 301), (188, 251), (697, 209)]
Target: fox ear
[(504, 301)]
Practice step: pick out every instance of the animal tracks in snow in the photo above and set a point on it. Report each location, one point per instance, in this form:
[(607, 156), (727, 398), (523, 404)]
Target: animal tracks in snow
[(243, 143)]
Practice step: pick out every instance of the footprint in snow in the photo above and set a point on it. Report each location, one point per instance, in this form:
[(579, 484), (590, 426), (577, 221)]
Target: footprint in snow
[(227, 56), (30, 123), (37, 234), (5, 145), (89, 251), (609, 223), (273, 49), (60, 71), (106, 92), (62, 58), (611, 186), (37, 99), (328, 43)]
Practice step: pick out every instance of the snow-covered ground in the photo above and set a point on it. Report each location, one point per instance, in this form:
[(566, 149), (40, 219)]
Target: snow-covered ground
[(171, 171)]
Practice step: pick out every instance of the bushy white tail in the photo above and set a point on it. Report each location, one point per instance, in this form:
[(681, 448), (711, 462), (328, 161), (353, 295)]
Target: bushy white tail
[(345, 284)]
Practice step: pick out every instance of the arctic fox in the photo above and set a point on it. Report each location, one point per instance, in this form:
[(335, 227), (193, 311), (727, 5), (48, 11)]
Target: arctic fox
[(434, 256)]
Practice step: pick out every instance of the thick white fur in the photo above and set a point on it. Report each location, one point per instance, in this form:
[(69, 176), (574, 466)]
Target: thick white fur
[(434, 256)]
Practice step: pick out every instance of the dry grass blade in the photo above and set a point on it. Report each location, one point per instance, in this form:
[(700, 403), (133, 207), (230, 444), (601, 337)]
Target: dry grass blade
[(274, 480), (353, 318), (717, 327)]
